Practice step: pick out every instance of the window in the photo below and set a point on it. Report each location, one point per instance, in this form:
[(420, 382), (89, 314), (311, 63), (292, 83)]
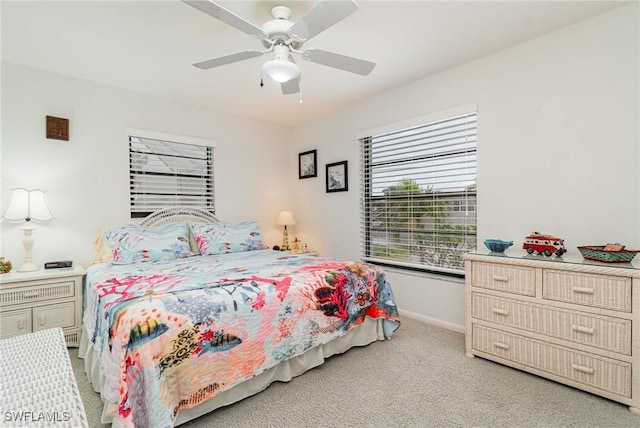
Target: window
[(419, 193), (168, 171)]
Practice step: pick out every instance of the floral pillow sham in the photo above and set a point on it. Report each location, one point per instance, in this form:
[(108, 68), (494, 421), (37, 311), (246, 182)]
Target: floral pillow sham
[(220, 238), (138, 244)]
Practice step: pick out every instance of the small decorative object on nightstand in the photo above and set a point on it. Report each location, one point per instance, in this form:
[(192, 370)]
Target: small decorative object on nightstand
[(5, 265), (296, 245), (34, 301)]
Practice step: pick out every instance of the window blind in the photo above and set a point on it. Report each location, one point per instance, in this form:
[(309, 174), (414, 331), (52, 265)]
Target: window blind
[(166, 174), (419, 195)]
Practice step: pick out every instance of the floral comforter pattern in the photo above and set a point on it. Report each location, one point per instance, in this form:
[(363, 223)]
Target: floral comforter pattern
[(173, 334)]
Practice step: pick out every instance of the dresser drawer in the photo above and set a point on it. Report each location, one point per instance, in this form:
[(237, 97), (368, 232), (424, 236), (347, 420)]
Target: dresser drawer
[(15, 322), (511, 279), (602, 291), (609, 333), (57, 315), (598, 372), (36, 292)]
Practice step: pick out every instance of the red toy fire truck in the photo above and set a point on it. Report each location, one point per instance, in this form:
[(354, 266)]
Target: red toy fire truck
[(544, 244)]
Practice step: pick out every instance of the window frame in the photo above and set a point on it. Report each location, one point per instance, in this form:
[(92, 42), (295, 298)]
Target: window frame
[(469, 231), (209, 183)]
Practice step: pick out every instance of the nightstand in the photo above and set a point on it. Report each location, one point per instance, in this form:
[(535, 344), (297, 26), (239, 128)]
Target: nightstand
[(309, 253), (34, 301), (303, 253)]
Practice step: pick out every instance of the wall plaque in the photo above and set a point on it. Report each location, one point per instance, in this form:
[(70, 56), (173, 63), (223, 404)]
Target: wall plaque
[(57, 128)]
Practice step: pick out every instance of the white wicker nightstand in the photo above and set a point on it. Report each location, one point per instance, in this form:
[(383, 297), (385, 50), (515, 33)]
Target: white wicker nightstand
[(34, 301)]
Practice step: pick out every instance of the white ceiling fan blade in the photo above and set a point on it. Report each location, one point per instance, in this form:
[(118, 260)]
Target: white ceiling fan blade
[(321, 17), (228, 59), (226, 16), (291, 87), (342, 62)]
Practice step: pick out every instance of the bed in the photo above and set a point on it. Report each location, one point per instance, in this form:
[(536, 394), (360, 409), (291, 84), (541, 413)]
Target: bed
[(184, 314)]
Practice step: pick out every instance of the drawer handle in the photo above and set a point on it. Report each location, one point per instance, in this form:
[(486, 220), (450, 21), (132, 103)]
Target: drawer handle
[(42, 319), (21, 324), (32, 294), (581, 329), (582, 290), (501, 345), (500, 278), (499, 311), (583, 369)]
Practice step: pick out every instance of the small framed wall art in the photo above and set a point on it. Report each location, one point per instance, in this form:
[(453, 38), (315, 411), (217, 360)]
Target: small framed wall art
[(337, 177), (57, 128), (307, 164)]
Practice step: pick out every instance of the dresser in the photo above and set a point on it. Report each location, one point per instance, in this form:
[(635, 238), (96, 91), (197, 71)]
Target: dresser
[(40, 300), (567, 319)]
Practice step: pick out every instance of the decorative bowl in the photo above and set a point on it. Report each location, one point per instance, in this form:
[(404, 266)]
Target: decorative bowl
[(497, 245), (598, 253)]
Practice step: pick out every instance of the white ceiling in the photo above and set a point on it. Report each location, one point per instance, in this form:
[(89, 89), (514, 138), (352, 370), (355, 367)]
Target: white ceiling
[(150, 46)]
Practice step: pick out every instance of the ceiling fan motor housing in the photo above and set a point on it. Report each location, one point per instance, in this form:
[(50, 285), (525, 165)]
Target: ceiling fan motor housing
[(277, 29)]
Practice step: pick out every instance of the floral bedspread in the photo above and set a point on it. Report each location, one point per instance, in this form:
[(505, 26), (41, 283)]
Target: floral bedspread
[(173, 334)]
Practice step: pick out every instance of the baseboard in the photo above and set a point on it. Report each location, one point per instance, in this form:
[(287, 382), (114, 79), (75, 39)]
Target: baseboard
[(433, 321)]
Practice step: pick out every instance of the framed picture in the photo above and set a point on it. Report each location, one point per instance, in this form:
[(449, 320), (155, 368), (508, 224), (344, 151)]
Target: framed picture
[(57, 128), (307, 164), (337, 177)]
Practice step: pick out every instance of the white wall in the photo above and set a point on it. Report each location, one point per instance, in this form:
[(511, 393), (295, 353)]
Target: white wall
[(86, 178), (558, 149)]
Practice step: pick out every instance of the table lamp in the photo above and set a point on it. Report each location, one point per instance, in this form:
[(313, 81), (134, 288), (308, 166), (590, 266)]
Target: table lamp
[(28, 205), (285, 218)]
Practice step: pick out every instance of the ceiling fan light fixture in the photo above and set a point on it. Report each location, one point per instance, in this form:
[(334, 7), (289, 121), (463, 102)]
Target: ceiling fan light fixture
[(280, 70)]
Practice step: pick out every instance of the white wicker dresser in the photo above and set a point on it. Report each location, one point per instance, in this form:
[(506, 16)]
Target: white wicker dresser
[(566, 319), (37, 384)]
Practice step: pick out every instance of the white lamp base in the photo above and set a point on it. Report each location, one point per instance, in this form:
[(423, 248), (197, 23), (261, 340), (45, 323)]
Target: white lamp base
[(28, 265)]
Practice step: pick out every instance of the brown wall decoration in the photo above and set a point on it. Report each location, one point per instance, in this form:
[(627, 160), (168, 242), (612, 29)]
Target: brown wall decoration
[(57, 128)]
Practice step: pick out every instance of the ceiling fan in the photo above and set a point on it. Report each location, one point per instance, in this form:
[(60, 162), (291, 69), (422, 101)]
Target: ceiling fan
[(284, 38)]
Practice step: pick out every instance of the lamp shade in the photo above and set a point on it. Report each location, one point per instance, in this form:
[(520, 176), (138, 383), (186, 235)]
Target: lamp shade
[(285, 218), (28, 205), (280, 70)]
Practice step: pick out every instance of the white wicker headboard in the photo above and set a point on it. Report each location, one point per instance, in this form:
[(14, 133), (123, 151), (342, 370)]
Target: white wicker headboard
[(178, 215)]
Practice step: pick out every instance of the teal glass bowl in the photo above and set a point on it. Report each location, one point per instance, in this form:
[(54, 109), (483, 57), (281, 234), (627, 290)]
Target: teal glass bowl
[(497, 245)]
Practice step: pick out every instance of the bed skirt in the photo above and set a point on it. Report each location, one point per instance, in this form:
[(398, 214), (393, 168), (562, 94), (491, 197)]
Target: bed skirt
[(369, 331)]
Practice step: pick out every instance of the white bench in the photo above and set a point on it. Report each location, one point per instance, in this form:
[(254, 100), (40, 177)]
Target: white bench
[(37, 385)]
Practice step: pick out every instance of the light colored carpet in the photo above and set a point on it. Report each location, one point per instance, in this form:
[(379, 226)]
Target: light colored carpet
[(420, 378)]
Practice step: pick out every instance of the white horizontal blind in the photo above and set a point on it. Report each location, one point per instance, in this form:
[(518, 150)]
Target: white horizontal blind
[(419, 195), (167, 174)]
